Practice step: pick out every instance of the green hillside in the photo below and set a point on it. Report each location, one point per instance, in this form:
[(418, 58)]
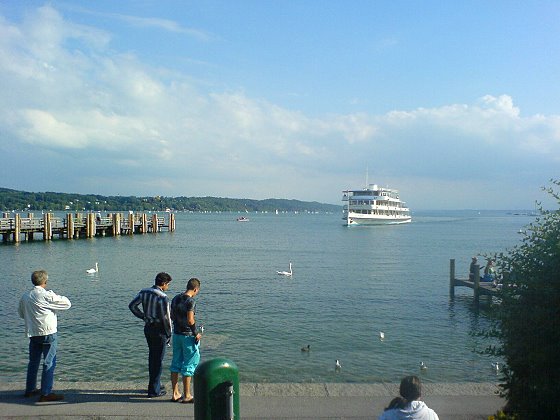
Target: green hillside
[(11, 200)]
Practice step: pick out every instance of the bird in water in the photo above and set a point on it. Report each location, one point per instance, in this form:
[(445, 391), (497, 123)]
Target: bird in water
[(381, 335), (285, 273), (423, 366), (93, 270), (306, 348), (496, 366), (337, 365)]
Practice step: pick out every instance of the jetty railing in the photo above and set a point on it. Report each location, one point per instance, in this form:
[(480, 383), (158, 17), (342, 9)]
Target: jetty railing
[(73, 226), (479, 288)]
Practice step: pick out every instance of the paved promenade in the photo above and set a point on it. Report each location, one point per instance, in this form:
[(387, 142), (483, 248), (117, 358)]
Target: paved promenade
[(127, 400)]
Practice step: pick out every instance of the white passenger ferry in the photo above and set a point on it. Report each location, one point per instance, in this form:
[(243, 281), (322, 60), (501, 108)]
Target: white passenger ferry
[(374, 205)]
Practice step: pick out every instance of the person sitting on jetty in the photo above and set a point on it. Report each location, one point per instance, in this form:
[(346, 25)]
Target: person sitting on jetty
[(489, 271), (408, 404), (473, 268)]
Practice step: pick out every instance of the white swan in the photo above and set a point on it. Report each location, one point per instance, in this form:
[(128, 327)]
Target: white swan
[(93, 270), (381, 335), (337, 365), (285, 273)]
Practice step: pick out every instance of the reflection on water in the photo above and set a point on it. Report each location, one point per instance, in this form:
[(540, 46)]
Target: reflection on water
[(348, 284)]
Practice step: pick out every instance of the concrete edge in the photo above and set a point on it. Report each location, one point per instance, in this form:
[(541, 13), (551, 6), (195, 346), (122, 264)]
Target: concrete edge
[(287, 389)]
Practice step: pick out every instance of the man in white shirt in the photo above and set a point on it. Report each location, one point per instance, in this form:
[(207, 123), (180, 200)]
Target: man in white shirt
[(38, 308)]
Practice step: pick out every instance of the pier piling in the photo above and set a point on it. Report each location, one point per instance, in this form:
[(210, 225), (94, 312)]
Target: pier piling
[(17, 228)]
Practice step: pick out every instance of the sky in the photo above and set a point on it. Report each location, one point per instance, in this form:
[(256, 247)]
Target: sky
[(455, 104)]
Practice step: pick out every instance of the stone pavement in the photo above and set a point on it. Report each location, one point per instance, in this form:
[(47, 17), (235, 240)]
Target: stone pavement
[(127, 400)]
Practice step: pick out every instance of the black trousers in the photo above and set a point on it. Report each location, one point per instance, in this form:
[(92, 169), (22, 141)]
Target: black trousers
[(157, 342)]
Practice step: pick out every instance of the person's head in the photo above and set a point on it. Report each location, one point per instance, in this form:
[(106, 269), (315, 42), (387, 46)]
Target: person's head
[(39, 278), (474, 259), (193, 285), (163, 280), (411, 388)]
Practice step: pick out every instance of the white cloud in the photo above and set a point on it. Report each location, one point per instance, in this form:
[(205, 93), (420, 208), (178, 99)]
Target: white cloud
[(156, 128)]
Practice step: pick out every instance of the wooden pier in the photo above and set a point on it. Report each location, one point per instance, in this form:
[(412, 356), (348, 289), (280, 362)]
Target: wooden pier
[(73, 226), (479, 288)]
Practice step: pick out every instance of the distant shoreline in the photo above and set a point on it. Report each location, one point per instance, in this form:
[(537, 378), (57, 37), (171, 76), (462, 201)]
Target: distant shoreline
[(23, 201)]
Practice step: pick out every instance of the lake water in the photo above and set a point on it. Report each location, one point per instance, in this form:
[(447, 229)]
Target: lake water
[(348, 284)]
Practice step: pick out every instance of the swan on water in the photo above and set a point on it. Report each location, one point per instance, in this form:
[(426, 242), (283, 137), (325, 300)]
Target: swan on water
[(93, 270), (285, 273), (381, 335), (337, 364), (423, 366)]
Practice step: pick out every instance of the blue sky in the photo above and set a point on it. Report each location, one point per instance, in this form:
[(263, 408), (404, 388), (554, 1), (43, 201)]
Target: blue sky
[(456, 104)]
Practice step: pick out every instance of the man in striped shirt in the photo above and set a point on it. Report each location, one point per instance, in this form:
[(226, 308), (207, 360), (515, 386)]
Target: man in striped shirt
[(155, 312)]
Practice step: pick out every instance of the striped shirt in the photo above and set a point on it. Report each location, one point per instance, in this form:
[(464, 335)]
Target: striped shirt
[(155, 307)]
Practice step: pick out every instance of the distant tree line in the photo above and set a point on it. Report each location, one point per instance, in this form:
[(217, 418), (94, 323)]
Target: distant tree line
[(13, 200)]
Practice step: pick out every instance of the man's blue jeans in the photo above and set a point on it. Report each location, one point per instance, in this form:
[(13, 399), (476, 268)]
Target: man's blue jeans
[(45, 346), (157, 341)]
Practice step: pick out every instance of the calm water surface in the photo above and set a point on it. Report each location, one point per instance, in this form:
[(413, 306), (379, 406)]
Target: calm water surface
[(348, 284)]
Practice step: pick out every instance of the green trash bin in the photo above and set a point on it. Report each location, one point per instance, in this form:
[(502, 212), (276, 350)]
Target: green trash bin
[(216, 390)]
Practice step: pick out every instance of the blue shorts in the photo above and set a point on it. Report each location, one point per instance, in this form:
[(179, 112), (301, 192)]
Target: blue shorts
[(186, 355)]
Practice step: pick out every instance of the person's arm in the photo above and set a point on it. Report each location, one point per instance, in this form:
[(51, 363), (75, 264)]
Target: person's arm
[(57, 302), (134, 307), (191, 323), (167, 317)]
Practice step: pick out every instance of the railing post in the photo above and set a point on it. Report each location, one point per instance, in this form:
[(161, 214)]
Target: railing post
[(144, 223), (171, 222), (452, 278), (116, 223), (47, 227), (69, 226), (476, 284), (17, 229), (155, 227), (130, 223)]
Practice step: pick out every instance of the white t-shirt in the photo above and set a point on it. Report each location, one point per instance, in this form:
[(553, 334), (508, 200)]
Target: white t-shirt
[(416, 410)]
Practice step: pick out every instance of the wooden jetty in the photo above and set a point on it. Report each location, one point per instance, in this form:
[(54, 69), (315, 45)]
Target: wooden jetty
[(73, 226), (479, 288)]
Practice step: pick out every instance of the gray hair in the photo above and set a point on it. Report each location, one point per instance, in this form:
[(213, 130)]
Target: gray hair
[(39, 278)]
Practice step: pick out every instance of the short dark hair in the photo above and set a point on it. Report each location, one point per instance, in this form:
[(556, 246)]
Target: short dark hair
[(411, 388), (39, 277), (163, 278), (193, 283)]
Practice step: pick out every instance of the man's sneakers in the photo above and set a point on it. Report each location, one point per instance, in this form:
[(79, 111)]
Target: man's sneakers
[(32, 393), (51, 397), (161, 394)]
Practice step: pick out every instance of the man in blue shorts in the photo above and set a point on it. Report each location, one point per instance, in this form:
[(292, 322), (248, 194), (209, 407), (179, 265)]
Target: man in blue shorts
[(186, 355)]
